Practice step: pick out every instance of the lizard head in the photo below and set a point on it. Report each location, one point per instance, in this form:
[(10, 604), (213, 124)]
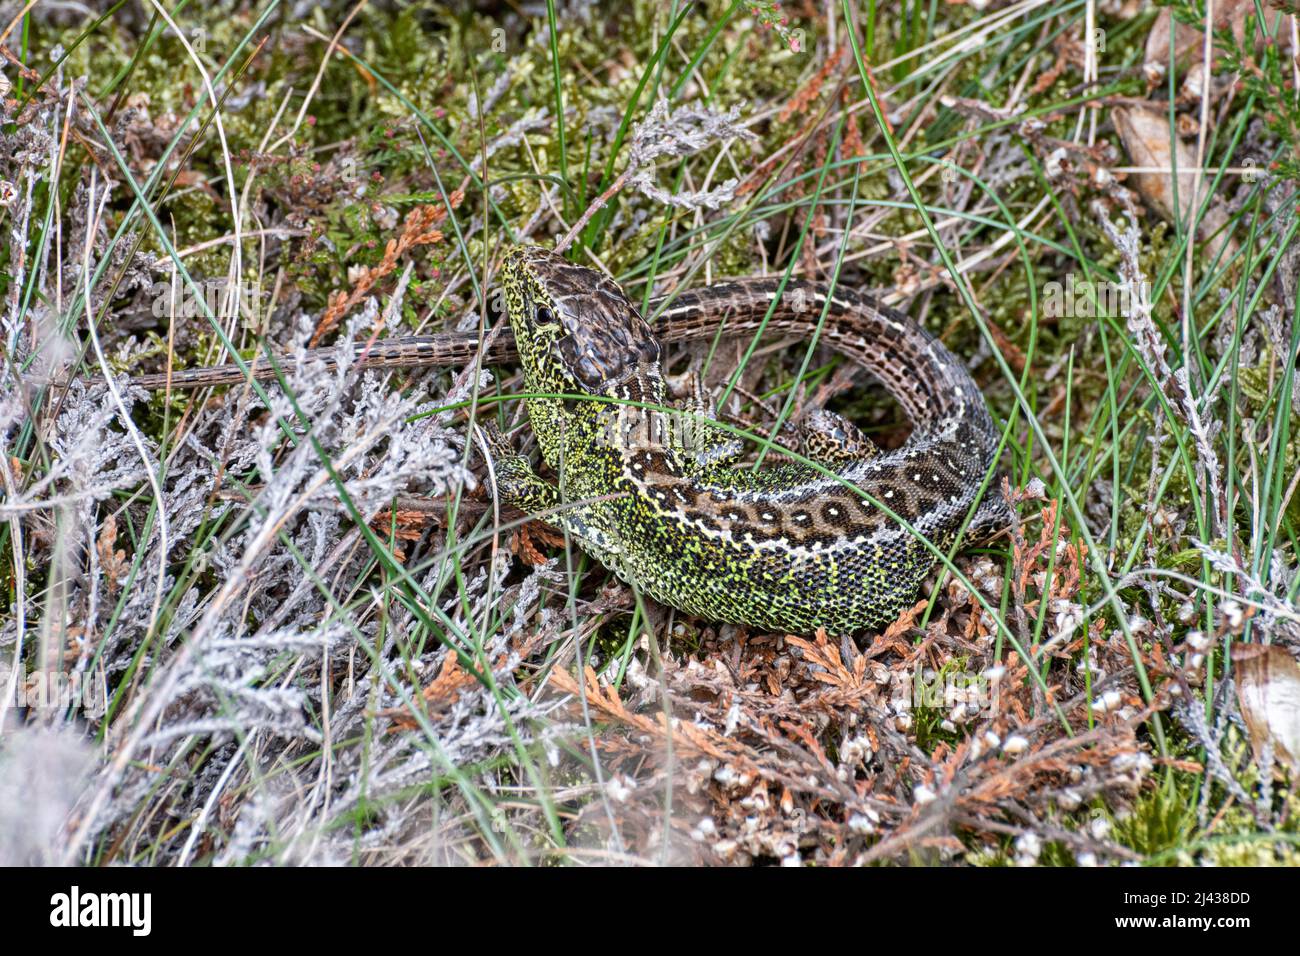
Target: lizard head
[(575, 330)]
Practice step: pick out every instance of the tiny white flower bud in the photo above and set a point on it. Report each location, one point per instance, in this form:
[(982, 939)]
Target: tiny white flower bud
[(1015, 744)]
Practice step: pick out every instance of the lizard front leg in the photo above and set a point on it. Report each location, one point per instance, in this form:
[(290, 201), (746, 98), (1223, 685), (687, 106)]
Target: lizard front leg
[(515, 481), (518, 484)]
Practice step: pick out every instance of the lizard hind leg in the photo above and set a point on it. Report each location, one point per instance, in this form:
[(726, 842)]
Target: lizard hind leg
[(991, 518), (831, 439)]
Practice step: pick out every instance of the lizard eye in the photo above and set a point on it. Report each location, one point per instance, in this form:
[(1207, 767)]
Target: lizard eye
[(543, 315)]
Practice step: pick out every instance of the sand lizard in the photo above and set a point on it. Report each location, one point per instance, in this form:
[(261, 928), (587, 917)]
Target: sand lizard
[(654, 491)]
